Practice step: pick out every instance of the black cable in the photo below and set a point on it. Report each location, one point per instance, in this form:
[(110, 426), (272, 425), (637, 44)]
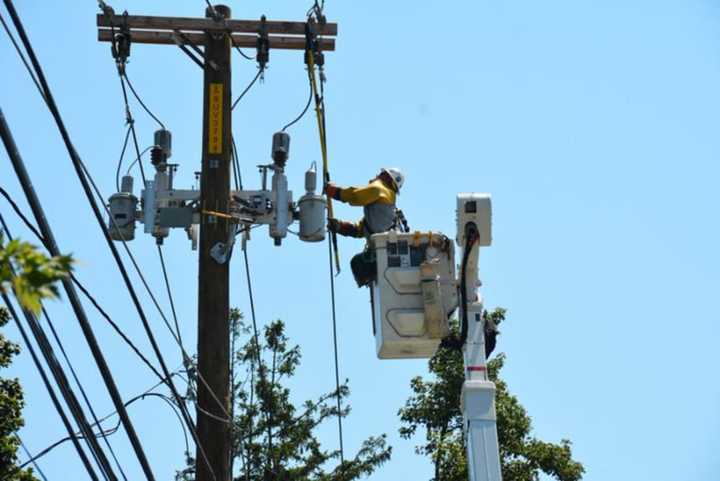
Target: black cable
[(82, 389), (131, 124), (47, 234), (236, 166), (22, 56), (302, 114), (46, 381), (120, 160), (246, 56), (140, 101), (27, 453), (107, 432), (39, 335), (470, 239), (332, 294), (256, 338), (48, 386), (169, 293), (64, 353), (212, 10), (79, 285), (247, 89)]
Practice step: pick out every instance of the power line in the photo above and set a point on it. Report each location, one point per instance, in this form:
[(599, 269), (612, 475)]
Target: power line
[(45, 229), (139, 397), (169, 293), (39, 335), (27, 453), (21, 55), (120, 160), (140, 101), (79, 285), (247, 89), (56, 402), (302, 114)]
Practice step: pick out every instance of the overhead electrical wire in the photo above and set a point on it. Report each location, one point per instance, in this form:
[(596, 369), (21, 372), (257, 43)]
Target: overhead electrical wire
[(332, 240), (247, 89), (27, 453), (120, 160), (56, 402), (99, 358), (64, 354), (21, 55), (140, 101), (127, 403), (35, 205), (80, 286), (302, 114)]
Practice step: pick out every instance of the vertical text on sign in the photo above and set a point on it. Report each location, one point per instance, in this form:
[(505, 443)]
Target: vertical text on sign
[(215, 123)]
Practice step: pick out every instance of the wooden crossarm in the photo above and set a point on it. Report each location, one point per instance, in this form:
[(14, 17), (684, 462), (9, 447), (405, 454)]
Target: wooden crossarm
[(210, 25), (240, 40)]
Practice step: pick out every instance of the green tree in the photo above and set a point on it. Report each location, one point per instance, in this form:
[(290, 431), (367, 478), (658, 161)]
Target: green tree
[(32, 276), (435, 406), (274, 439)]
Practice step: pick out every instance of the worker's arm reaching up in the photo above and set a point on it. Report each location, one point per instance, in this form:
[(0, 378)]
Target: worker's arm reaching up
[(375, 191)]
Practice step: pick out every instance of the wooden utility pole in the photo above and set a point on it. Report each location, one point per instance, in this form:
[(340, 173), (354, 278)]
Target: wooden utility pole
[(218, 34), (213, 279)]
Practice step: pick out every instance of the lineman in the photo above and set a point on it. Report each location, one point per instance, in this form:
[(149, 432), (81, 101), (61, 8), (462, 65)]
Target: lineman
[(380, 215)]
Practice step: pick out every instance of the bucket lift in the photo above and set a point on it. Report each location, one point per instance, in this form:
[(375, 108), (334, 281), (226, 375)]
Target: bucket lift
[(416, 292)]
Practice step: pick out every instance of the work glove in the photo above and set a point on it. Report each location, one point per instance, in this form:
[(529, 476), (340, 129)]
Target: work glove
[(332, 190), (333, 225)]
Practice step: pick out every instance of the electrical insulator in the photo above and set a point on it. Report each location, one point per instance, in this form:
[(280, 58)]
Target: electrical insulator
[(163, 139), (162, 150), (312, 210), (122, 205), (280, 148)]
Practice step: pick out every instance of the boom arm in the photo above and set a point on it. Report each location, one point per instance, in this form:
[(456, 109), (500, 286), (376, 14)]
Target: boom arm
[(478, 393)]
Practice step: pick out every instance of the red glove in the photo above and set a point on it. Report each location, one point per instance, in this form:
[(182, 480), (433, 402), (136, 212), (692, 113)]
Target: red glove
[(333, 190)]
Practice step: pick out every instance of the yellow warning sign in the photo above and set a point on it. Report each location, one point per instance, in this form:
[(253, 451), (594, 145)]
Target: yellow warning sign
[(215, 122)]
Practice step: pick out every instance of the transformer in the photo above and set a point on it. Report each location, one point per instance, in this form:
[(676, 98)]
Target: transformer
[(122, 206), (312, 210)]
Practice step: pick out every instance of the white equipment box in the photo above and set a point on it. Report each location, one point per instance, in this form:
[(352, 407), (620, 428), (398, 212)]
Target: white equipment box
[(414, 294)]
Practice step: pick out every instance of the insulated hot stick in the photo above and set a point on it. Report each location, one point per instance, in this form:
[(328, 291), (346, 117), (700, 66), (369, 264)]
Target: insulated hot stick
[(323, 147)]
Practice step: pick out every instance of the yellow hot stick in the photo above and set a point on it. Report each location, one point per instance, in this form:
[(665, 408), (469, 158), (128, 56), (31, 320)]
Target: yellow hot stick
[(323, 148)]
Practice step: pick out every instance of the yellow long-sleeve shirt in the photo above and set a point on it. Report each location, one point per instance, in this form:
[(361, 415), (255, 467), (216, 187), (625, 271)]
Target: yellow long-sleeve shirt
[(375, 191)]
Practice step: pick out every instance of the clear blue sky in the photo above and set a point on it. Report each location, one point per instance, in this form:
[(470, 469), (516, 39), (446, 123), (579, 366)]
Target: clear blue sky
[(593, 124)]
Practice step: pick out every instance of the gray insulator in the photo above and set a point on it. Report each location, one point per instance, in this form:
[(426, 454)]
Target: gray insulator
[(126, 185), (163, 139), (312, 217), (311, 180), (280, 148)]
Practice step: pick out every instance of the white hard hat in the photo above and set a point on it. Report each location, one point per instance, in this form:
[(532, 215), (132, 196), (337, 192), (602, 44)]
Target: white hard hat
[(396, 175)]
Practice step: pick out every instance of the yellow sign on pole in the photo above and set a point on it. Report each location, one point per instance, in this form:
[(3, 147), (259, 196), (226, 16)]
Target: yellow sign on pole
[(215, 124)]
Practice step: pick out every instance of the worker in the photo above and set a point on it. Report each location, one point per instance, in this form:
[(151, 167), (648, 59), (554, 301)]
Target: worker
[(380, 215)]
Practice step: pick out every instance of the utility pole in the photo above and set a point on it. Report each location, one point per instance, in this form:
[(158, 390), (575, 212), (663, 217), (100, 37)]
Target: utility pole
[(213, 279), (218, 34)]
